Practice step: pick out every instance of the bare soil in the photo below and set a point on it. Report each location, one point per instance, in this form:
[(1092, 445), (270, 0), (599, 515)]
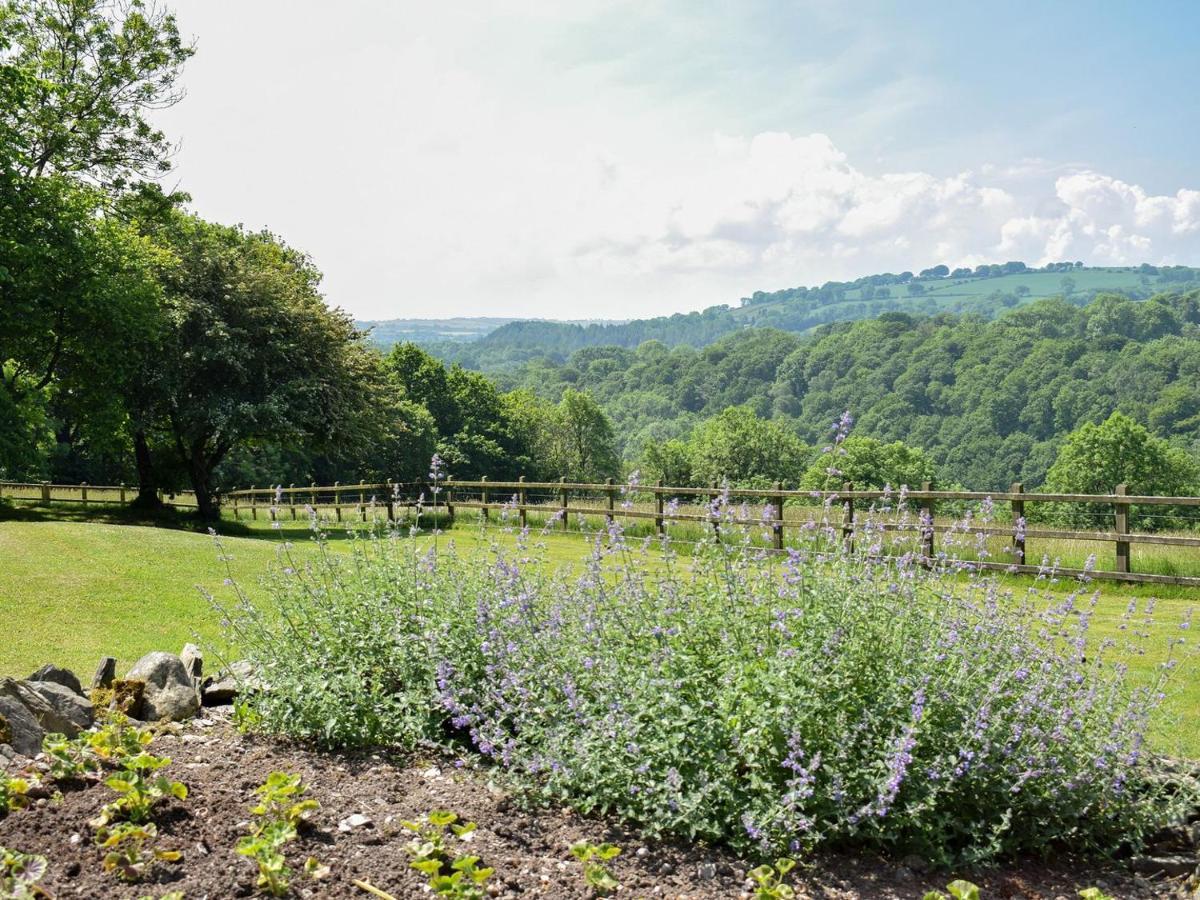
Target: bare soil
[(528, 849)]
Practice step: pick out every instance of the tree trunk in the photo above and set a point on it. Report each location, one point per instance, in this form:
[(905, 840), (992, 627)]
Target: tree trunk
[(147, 497), (206, 501)]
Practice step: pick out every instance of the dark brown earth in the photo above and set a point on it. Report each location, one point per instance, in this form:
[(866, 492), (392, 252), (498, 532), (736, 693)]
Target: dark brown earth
[(529, 850)]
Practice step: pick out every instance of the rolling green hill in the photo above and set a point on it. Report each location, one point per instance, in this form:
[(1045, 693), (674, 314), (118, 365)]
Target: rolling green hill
[(986, 290)]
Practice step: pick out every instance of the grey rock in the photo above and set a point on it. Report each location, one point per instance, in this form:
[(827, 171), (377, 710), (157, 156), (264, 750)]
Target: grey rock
[(105, 672), (170, 695), (25, 734), (193, 661), (706, 871), (1171, 866), (916, 863), (239, 677), (72, 712), (57, 675)]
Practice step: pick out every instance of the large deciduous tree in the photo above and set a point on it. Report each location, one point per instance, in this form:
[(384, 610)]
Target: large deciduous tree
[(251, 353)]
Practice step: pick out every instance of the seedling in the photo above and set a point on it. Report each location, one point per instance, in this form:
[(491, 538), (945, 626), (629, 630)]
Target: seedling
[(69, 759), (769, 880), (130, 855), (593, 857), (1094, 893), (279, 799), (139, 789), (13, 794), (19, 875), (450, 875), (265, 847), (118, 740), (959, 890)]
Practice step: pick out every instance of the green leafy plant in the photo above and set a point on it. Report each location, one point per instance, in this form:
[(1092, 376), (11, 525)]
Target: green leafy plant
[(13, 794), (450, 875), (130, 853), (593, 857), (959, 890), (265, 846), (69, 758), (769, 880), (1094, 893), (280, 798), (281, 810), (139, 790), (117, 740), (20, 873)]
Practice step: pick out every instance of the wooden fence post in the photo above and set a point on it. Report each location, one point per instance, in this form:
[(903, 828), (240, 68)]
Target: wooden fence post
[(253, 503), (362, 499), (483, 498), (292, 499), (524, 513), (337, 500), (777, 524), (612, 500), (659, 525), (313, 496), (273, 507), (235, 502), (83, 486), (562, 504), (390, 499), (45, 492), (848, 517), (927, 525), (1121, 521), (712, 509), (450, 497), (1018, 514), (123, 493)]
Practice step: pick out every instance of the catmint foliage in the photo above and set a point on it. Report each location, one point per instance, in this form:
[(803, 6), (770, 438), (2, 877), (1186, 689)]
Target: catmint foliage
[(827, 696)]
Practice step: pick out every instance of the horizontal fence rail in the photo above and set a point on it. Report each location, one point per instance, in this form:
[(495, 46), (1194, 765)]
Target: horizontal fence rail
[(780, 512)]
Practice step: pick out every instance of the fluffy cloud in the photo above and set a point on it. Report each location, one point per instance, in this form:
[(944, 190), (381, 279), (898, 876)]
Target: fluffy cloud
[(778, 210)]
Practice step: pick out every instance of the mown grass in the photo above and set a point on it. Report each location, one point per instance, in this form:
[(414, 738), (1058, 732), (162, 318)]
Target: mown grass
[(78, 584)]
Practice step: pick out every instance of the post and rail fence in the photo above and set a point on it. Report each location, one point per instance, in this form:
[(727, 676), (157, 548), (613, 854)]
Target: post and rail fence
[(600, 501)]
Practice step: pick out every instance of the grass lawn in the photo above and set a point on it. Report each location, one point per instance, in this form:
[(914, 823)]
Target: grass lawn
[(75, 587)]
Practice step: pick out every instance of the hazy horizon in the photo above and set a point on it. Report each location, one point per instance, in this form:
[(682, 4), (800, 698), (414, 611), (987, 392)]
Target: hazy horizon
[(619, 160)]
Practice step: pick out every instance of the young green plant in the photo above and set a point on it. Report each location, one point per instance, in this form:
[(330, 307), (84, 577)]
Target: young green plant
[(593, 857)]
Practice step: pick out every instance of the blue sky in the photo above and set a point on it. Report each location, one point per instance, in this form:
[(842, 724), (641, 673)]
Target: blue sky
[(615, 159)]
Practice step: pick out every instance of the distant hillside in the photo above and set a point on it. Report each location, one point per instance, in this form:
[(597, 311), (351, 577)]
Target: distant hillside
[(985, 290), (386, 332)]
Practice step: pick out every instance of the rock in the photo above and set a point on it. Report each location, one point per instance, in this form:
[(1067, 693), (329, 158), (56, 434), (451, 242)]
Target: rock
[(193, 662), (356, 820), (1170, 866), (169, 694), (228, 684), (56, 675), (72, 712), (105, 672), (916, 863), (23, 731)]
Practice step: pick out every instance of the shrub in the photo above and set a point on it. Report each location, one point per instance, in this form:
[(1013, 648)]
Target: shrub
[(774, 703)]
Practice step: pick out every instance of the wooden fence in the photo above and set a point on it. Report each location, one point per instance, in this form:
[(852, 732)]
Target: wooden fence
[(44, 492), (790, 511), (787, 513)]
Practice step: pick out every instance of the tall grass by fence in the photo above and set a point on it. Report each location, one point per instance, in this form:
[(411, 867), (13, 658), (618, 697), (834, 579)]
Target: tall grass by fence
[(1005, 534), (933, 532)]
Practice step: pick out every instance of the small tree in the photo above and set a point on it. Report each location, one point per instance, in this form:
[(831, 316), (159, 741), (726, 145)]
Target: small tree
[(744, 449), (1094, 459), (870, 464)]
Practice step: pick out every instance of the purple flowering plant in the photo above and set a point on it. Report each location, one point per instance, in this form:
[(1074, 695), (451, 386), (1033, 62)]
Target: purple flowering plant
[(832, 695)]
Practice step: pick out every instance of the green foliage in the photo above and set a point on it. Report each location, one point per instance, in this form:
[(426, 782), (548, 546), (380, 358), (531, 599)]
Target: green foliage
[(769, 881), (825, 698), (19, 874), (450, 874), (139, 790), (870, 464), (130, 851), (280, 811), (69, 758), (1094, 459), (99, 68), (959, 890), (14, 792), (593, 857), (740, 447)]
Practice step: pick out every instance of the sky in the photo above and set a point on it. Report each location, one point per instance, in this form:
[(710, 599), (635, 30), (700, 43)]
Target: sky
[(579, 159)]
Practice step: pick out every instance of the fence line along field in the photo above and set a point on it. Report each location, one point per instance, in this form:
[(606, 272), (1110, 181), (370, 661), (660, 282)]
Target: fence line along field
[(1000, 531)]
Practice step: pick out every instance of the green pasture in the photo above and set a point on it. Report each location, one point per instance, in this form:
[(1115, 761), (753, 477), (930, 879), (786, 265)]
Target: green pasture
[(77, 585)]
